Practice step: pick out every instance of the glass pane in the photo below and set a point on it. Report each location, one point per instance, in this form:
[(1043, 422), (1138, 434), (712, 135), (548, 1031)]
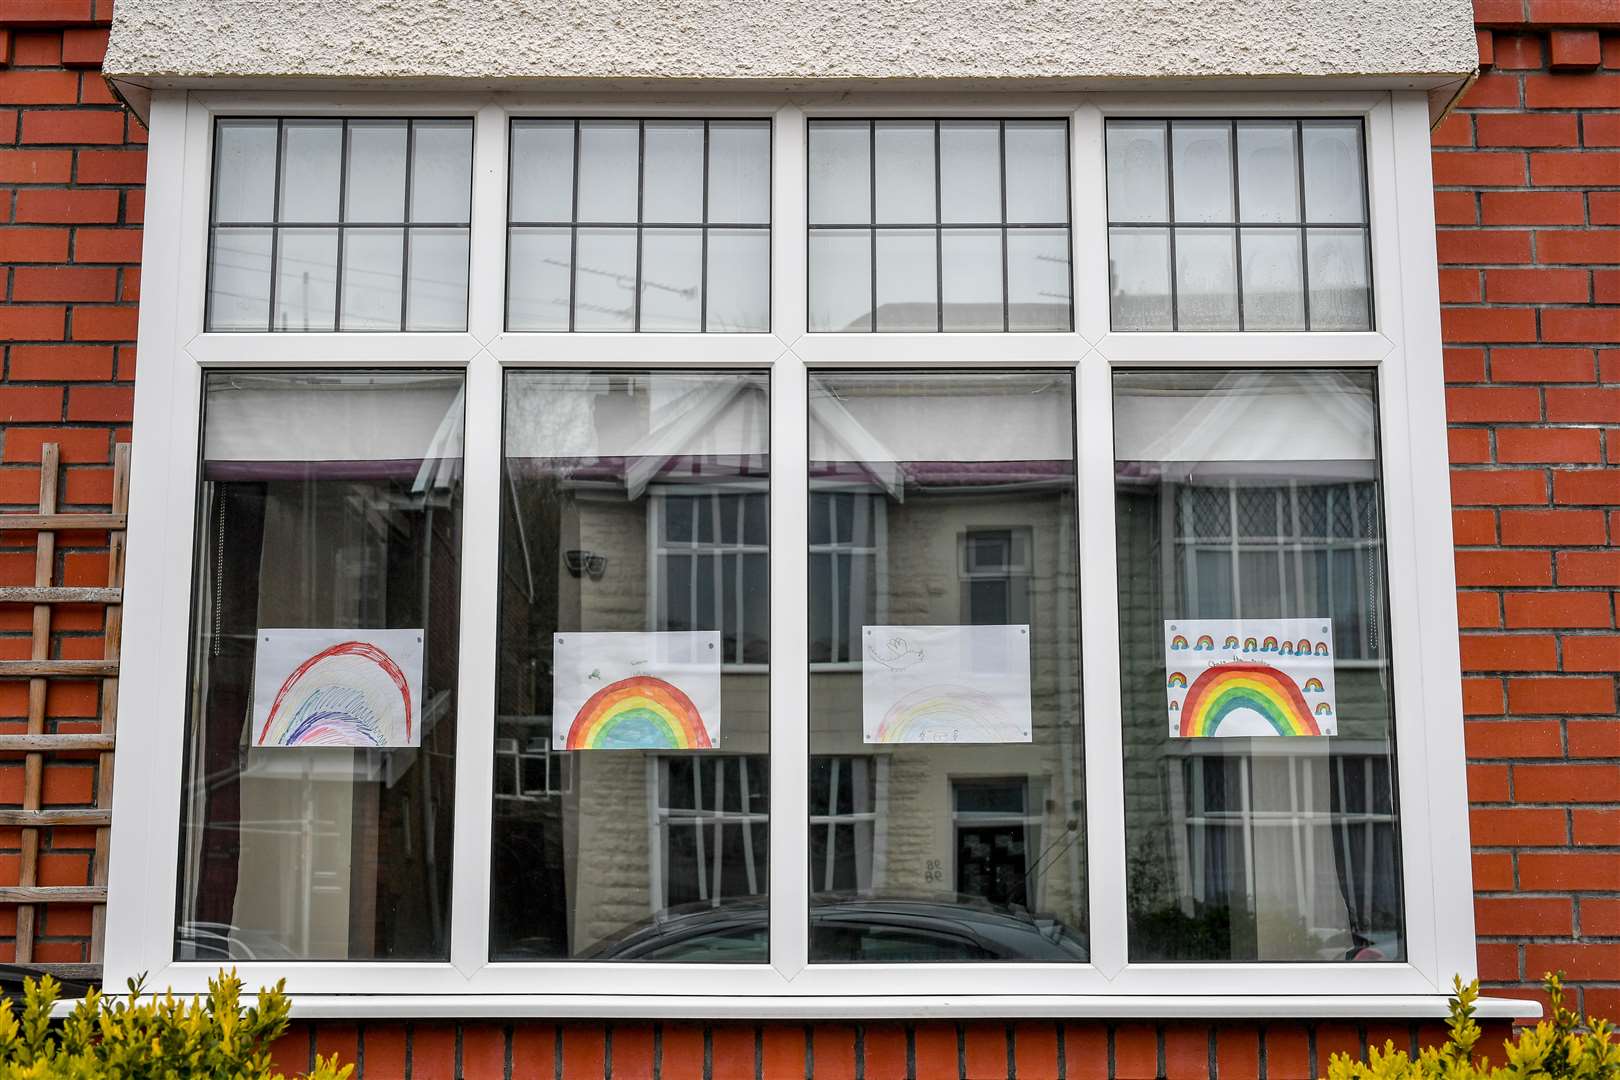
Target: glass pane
[(1139, 279), (740, 172), (1273, 290), (441, 171), (245, 170), (971, 846), (905, 171), (608, 171), (311, 154), (739, 299), (840, 172), (376, 186), (1137, 171), (671, 279), (972, 279), (1038, 279), (317, 810), (1202, 153), (660, 849), (1037, 171), (840, 280), (306, 279), (1338, 275), (1206, 280), (239, 280), (605, 279), (970, 171), (373, 260), (1334, 186), (537, 291), (542, 170), (907, 280), (672, 189), (1260, 810), (438, 285), (1268, 171)]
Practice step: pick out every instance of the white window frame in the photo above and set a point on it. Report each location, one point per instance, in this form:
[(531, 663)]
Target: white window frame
[(1403, 351)]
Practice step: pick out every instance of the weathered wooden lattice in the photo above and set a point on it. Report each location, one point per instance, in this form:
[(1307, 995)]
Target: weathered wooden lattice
[(38, 743)]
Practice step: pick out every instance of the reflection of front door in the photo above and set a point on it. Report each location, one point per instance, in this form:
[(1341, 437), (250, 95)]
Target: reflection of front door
[(993, 835)]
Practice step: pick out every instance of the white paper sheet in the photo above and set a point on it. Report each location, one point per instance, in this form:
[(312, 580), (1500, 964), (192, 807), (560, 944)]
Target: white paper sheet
[(324, 687), (636, 691), (1257, 677), (945, 684)]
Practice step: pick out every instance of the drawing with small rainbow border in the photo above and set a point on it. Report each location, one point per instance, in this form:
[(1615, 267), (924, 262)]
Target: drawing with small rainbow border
[(636, 690), (1277, 682)]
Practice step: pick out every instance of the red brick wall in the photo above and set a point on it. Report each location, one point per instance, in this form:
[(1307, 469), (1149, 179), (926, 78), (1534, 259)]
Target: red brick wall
[(1528, 200), (1527, 175), (71, 173)]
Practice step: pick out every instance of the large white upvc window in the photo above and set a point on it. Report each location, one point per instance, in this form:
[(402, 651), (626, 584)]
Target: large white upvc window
[(1024, 462)]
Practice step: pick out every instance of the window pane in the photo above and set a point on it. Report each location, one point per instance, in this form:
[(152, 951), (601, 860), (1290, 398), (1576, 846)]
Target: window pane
[(441, 171), (671, 279), (323, 837), (438, 286), (1333, 171), (1206, 280), (372, 263), (907, 280), (740, 172), (1337, 261), (673, 187), (905, 171), (1253, 835), (1137, 171), (739, 299), (1203, 170), (605, 280), (306, 279), (1037, 171), (840, 280), (311, 155), (1139, 279), (540, 276), (245, 170), (971, 279), (970, 171), (967, 828), (1268, 171), (376, 185), (541, 172), (619, 483), (1273, 290), (239, 280), (840, 172), (608, 170), (1038, 279)]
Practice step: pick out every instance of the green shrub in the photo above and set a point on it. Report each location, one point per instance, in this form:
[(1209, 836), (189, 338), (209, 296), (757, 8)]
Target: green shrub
[(145, 1037), (1563, 1047)]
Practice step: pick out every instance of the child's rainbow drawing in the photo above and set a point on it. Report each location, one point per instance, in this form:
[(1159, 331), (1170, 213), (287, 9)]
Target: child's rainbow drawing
[(1178, 643), (344, 688), (1259, 690), (636, 691), (946, 714), (1205, 643), (960, 684)]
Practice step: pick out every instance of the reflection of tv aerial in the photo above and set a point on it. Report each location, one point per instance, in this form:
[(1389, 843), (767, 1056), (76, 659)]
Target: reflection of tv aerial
[(624, 281)]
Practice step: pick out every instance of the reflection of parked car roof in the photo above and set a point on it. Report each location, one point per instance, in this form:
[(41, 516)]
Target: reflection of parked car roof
[(222, 941), (12, 976), (853, 928)]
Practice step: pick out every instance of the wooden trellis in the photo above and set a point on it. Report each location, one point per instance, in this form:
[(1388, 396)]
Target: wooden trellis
[(37, 742)]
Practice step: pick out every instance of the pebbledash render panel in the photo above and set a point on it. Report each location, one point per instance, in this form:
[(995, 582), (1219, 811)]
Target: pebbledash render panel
[(484, 358)]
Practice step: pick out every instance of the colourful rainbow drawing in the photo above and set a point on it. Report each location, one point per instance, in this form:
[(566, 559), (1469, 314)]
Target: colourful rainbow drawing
[(1226, 688), (1249, 644), (1304, 647), (947, 714), (1324, 709), (1313, 685), (1205, 642), (349, 694), (1175, 706), (1231, 642), (1269, 645), (641, 712), (1178, 642), (1321, 648), (1286, 649), (1177, 679)]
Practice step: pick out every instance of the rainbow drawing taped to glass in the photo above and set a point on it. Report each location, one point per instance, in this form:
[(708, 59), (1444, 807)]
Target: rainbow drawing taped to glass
[(315, 687), (945, 684), (656, 690), (1277, 682)]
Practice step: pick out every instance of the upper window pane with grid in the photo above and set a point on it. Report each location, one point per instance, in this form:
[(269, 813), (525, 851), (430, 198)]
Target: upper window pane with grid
[(939, 225), (331, 224), (640, 225), (1238, 225)]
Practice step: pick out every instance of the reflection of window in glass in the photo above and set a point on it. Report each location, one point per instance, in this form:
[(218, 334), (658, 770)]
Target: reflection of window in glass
[(1238, 225), (650, 225), (340, 224), (996, 565), (998, 839), (845, 531), (939, 225), (848, 848), (327, 501), (633, 502), (711, 558), (1254, 495)]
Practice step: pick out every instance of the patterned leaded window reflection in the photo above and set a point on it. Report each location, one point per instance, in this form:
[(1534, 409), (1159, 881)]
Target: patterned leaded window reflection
[(640, 225), (321, 225), (1238, 225)]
